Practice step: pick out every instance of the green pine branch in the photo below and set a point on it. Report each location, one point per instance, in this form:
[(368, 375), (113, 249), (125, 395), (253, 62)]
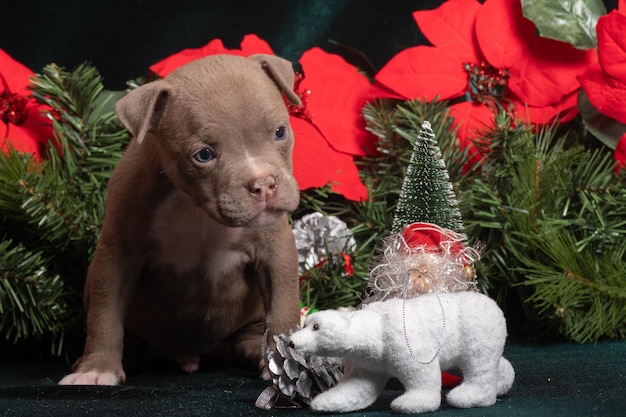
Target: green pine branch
[(581, 294), (551, 214), (52, 210), (32, 299)]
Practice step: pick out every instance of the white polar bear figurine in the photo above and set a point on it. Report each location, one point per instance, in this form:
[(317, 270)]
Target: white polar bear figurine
[(376, 347)]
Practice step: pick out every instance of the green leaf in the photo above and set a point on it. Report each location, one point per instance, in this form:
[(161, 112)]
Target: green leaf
[(605, 129), (572, 21)]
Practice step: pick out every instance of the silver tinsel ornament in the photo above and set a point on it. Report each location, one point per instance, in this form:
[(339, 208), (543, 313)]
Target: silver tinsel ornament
[(438, 260), (319, 237), (296, 378)]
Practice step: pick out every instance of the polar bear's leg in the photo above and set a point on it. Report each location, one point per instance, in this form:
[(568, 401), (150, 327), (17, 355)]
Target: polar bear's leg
[(506, 376), (422, 391), (417, 401), (479, 387), (356, 391)]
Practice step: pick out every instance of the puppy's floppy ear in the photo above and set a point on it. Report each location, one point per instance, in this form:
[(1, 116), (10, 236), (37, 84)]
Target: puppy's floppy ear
[(281, 71), (141, 109)]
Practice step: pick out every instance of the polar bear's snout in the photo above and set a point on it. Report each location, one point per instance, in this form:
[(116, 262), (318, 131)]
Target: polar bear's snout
[(307, 339), (303, 341)]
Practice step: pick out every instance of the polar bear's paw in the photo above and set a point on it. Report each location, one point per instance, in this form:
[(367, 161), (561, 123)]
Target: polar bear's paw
[(416, 402), (506, 376), (469, 395), (338, 401)]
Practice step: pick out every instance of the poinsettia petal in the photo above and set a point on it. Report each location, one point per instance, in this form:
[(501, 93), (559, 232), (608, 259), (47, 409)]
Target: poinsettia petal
[(607, 94), (252, 44), (316, 163), (450, 27), (549, 73), (37, 124), (214, 47), (612, 44), (311, 155), (21, 139), (563, 111), (471, 119), (169, 64), (620, 152), (15, 74), (567, 109), (337, 96), (377, 90), (346, 180), (424, 72), (33, 131), (503, 33)]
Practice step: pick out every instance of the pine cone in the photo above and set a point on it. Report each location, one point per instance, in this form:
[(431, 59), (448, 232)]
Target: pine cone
[(297, 378)]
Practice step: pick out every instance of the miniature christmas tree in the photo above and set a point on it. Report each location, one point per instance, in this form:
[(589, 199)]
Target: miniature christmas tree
[(427, 194)]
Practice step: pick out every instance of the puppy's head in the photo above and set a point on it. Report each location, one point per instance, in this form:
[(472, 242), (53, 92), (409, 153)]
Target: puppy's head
[(222, 134)]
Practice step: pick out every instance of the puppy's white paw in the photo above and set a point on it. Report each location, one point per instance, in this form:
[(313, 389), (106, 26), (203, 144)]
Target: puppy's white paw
[(90, 378)]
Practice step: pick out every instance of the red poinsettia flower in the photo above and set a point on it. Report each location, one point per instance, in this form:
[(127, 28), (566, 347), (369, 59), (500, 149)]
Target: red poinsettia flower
[(333, 93), (21, 125), (251, 44), (491, 55), (329, 132), (620, 152), (604, 82)]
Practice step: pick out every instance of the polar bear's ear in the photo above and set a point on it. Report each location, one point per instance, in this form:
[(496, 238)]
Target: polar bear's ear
[(311, 322), (311, 325)]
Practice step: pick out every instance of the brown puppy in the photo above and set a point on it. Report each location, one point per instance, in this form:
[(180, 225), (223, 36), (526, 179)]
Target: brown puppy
[(196, 249)]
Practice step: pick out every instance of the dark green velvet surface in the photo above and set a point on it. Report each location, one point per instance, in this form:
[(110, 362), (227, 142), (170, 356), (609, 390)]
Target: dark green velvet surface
[(551, 380)]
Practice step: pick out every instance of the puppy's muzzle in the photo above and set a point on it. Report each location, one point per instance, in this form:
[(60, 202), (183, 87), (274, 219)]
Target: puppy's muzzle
[(263, 189)]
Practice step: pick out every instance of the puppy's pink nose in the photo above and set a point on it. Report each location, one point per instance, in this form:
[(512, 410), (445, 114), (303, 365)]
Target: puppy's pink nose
[(263, 188)]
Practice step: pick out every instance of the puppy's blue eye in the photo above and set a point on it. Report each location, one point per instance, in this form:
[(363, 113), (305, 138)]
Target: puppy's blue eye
[(280, 133), (204, 155)]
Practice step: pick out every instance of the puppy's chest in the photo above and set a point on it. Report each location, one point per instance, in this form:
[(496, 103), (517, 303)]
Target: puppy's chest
[(188, 241)]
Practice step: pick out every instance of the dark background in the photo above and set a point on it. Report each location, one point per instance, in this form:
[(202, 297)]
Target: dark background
[(122, 38)]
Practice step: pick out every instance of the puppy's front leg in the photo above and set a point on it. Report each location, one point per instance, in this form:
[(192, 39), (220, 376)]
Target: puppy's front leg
[(279, 285), (105, 300)]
